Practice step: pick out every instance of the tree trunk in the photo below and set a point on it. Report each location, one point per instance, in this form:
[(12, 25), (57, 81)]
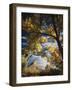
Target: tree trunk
[(57, 36), (60, 47)]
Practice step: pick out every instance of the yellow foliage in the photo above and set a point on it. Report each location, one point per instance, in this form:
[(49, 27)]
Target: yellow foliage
[(51, 31), (51, 49), (43, 39), (54, 34), (56, 55), (38, 47), (32, 70), (32, 26), (30, 19)]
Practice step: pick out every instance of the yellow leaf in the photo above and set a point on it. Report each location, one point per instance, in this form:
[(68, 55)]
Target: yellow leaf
[(43, 39)]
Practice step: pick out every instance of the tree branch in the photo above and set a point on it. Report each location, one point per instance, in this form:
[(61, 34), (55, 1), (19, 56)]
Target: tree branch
[(42, 34)]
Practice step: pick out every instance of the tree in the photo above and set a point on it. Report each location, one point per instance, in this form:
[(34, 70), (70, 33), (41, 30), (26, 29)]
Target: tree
[(58, 27), (43, 24)]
